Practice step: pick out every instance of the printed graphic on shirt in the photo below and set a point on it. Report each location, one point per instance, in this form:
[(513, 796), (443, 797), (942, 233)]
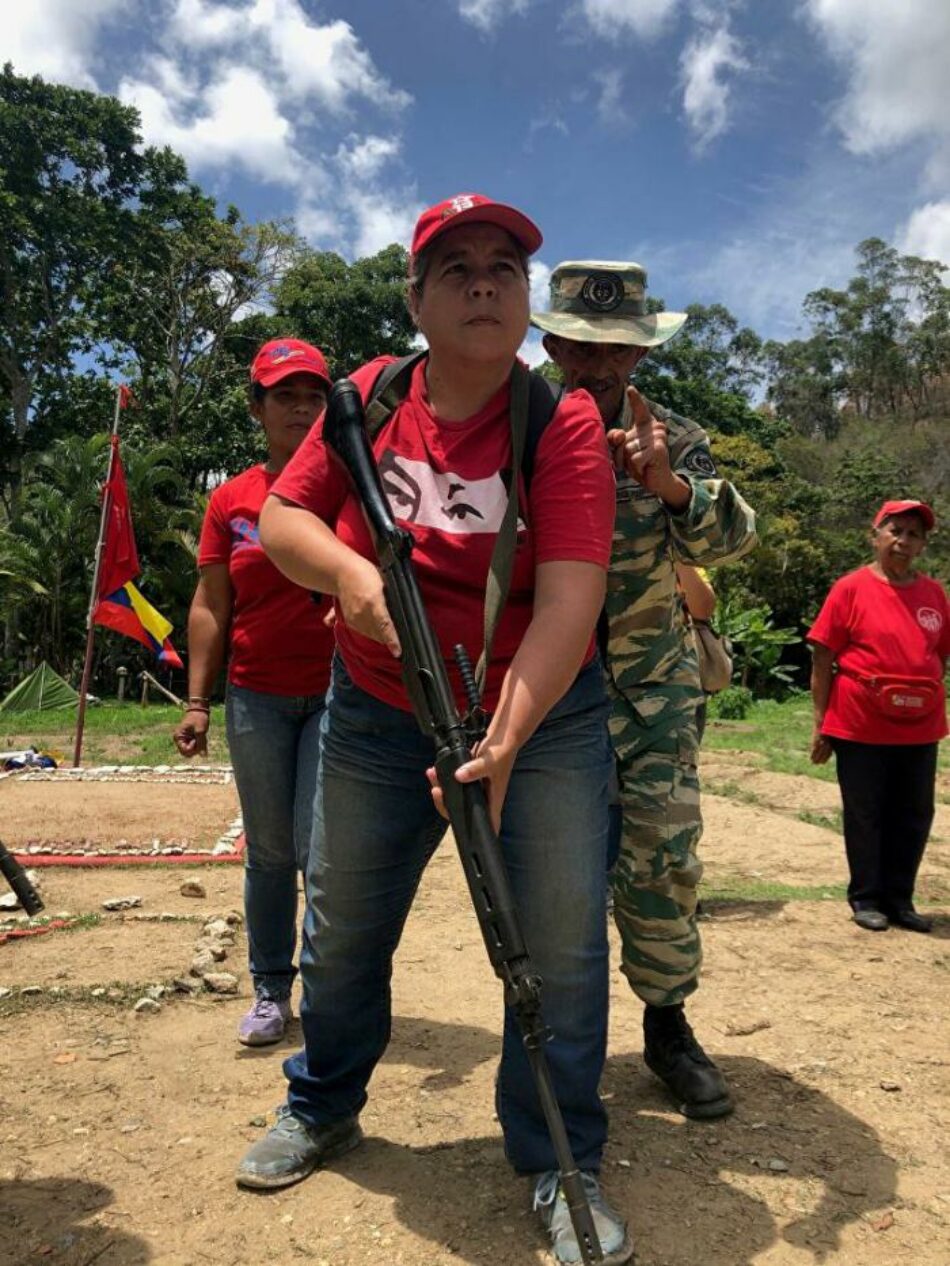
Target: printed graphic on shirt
[(244, 534), (446, 501), (929, 619)]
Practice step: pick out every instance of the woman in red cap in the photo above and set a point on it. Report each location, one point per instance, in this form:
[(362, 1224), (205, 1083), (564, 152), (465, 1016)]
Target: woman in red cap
[(278, 650), (881, 643), (445, 455)]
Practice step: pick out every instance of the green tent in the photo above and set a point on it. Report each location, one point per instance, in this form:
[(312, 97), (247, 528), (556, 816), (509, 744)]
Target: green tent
[(41, 691)]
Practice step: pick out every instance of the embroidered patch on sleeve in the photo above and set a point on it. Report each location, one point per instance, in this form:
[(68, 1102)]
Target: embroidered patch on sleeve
[(700, 463)]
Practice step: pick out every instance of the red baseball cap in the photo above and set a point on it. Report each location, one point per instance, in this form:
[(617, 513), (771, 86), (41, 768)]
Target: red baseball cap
[(469, 208), (282, 357), (890, 508)]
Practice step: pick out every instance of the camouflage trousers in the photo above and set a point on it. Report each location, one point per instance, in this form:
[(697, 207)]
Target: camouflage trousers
[(657, 872)]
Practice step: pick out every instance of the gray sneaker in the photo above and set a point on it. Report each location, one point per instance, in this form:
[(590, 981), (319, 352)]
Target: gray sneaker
[(549, 1201), (293, 1149)]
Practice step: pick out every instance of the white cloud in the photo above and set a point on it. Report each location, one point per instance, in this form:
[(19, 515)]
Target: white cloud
[(380, 218), (355, 219), (320, 225), (789, 236), (645, 18), (704, 62), (610, 107), (306, 61), (531, 351), (363, 159), (325, 62), (487, 14), (927, 233), (56, 38), (235, 121), (202, 24), (257, 84), (539, 277), (897, 54)]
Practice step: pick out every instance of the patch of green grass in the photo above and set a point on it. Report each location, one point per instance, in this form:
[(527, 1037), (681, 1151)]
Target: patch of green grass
[(729, 889), (115, 734), (77, 922), (831, 822), (732, 791), (118, 994), (781, 734), (726, 890)]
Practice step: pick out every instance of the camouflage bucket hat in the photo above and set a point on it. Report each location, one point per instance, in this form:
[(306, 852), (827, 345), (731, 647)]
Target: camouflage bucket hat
[(595, 301)]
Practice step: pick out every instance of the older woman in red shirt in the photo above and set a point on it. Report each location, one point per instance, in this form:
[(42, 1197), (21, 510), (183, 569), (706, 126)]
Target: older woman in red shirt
[(881, 643)]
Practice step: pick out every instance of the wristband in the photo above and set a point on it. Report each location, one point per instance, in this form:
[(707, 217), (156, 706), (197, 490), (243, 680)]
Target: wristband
[(199, 707)]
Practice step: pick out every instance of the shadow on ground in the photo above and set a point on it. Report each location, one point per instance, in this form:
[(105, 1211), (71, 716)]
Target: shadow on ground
[(682, 1184), (739, 909), (52, 1220)]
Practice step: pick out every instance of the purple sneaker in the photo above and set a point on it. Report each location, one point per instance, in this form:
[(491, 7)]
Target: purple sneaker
[(265, 1023)]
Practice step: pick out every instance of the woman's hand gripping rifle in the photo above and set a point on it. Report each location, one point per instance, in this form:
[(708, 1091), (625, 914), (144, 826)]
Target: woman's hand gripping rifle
[(433, 704)]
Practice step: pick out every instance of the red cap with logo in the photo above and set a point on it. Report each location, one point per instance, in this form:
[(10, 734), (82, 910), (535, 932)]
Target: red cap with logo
[(890, 508), (471, 208), (282, 357)]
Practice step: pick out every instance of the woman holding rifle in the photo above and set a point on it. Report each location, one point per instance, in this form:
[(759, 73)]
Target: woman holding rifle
[(445, 458)]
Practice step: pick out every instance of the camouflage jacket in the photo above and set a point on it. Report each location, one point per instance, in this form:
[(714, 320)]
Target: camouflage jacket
[(653, 675)]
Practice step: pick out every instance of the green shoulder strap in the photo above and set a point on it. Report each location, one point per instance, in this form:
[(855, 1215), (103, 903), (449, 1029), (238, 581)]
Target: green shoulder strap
[(389, 389), (503, 555)]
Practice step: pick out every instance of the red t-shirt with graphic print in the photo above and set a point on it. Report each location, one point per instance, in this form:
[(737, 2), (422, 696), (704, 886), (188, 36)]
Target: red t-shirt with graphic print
[(877, 629), (446, 482), (278, 642)]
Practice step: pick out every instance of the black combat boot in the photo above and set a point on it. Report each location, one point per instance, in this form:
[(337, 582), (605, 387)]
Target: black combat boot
[(672, 1053)]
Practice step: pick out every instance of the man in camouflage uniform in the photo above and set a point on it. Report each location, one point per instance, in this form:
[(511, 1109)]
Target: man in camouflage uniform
[(671, 506)]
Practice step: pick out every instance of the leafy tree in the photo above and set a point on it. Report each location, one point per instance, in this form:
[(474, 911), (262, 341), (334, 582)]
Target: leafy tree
[(51, 543), (886, 336), (352, 312), (710, 372), (71, 170), (805, 385), (174, 301)]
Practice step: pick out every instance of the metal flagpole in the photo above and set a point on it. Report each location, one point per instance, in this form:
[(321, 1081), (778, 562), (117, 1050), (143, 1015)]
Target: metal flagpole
[(94, 595)]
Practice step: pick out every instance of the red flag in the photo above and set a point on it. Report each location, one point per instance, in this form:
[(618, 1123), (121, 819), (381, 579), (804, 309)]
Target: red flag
[(119, 604), (125, 397), (120, 560)]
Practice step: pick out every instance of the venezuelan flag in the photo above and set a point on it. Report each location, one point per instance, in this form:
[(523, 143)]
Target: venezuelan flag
[(129, 613)]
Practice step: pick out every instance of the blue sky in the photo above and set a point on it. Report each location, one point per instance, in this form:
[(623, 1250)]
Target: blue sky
[(739, 150)]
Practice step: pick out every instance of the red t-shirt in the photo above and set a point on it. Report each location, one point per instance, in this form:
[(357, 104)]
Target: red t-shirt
[(279, 644), (446, 482), (877, 629)]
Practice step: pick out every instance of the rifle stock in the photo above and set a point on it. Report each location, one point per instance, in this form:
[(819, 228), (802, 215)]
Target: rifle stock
[(17, 878), (433, 704)]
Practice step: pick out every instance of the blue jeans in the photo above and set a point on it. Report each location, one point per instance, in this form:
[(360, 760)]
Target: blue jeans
[(274, 744), (375, 828)]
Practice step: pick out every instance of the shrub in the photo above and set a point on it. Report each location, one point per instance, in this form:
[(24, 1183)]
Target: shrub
[(731, 704)]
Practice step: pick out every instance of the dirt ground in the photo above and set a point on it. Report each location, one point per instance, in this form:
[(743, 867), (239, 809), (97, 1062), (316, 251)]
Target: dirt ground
[(119, 1131), (115, 815)]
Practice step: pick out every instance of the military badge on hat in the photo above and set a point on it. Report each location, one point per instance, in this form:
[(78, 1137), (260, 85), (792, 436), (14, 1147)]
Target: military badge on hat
[(602, 292), (593, 301)]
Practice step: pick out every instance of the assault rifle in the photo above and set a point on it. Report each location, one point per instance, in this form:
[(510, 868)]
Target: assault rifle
[(433, 703), (16, 877)]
